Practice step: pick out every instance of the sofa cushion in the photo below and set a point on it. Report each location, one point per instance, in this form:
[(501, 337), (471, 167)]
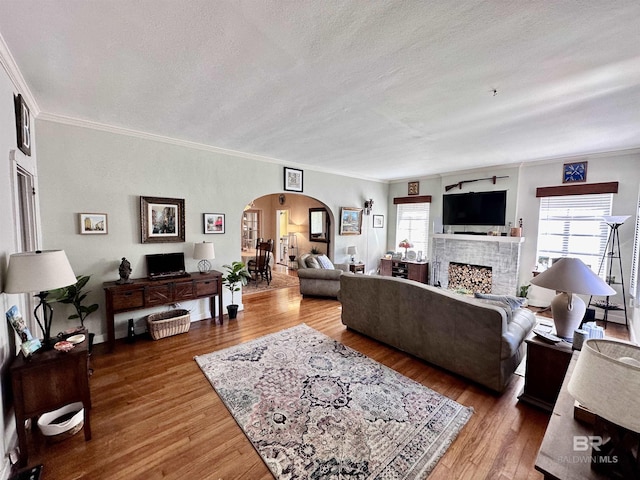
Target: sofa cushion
[(312, 262), (324, 262)]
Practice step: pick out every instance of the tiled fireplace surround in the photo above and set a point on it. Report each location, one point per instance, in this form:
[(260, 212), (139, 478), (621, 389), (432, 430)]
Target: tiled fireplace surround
[(502, 254)]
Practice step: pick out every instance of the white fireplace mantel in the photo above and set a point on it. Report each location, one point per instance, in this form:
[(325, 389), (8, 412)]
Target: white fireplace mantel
[(502, 254), (479, 238)]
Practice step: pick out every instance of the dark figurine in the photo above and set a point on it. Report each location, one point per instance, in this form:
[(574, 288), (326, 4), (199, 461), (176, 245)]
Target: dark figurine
[(125, 271)]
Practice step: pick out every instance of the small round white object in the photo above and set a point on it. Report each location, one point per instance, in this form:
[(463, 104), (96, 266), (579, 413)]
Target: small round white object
[(76, 339)]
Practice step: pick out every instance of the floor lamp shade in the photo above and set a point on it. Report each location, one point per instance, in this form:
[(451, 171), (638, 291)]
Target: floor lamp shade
[(38, 271), (570, 276)]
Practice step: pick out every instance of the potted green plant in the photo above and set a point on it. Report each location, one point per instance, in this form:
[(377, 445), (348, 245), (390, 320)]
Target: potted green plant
[(237, 276), (74, 295)]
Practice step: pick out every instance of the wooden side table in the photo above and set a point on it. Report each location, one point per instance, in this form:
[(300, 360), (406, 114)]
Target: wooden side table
[(356, 267), (46, 381), (545, 370)]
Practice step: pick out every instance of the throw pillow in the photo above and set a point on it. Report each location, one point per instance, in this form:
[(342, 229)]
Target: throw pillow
[(509, 301), (325, 262), (497, 303), (312, 262)]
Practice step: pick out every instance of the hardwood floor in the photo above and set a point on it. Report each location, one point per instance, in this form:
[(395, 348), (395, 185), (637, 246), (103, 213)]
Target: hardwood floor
[(156, 416)]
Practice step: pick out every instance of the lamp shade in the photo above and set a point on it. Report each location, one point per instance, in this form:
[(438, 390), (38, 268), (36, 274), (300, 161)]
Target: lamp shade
[(38, 271), (571, 275), (203, 251), (615, 220), (352, 250), (606, 380)]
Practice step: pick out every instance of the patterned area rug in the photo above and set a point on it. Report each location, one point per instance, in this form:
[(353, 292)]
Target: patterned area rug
[(316, 409), (279, 280)]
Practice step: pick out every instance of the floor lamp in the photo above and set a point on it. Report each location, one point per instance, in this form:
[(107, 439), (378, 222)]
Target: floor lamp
[(40, 271)]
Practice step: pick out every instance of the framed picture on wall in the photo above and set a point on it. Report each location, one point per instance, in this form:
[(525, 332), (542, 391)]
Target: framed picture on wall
[(292, 179), (161, 219), (23, 124), (93, 223), (350, 221), (213, 222), (378, 221)]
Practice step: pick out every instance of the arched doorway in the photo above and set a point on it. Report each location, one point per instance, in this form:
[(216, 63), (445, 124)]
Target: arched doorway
[(284, 217)]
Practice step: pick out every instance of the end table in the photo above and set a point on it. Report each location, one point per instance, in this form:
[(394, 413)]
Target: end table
[(546, 366), (356, 267)]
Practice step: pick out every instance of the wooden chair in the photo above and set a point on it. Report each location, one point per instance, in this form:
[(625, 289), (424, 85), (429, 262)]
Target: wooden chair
[(260, 268)]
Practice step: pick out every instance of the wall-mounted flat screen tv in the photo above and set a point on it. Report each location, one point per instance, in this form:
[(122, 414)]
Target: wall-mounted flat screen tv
[(477, 208)]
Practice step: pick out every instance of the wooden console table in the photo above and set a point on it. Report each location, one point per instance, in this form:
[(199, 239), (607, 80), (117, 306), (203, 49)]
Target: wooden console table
[(46, 381), (418, 271), (144, 293)]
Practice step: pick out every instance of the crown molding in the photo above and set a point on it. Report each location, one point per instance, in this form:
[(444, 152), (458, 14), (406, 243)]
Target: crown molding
[(50, 117), (13, 72)]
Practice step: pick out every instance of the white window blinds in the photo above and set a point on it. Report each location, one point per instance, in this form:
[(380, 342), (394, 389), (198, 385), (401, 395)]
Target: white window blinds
[(634, 288), (413, 224), (572, 226)]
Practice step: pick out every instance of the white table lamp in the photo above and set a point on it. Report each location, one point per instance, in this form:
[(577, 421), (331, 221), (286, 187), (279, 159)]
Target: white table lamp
[(40, 271), (203, 252), (353, 251), (570, 276), (606, 381)]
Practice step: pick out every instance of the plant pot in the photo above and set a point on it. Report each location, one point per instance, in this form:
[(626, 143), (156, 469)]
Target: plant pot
[(233, 311)]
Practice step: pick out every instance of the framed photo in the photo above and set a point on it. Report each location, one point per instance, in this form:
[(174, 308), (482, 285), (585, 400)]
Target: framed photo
[(292, 179), (23, 124), (213, 222), (161, 219), (350, 221), (574, 172), (93, 223), (414, 188), (378, 221)]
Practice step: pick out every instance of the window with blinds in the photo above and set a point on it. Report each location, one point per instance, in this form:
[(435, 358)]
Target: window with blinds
[(413, 224), (572, 226), (634, 288)]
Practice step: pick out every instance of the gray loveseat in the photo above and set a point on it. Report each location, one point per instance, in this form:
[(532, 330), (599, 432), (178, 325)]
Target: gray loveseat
[(317, 281), (471, 337)]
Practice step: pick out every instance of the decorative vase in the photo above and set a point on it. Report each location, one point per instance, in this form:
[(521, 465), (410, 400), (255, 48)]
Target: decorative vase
[(233, 311)]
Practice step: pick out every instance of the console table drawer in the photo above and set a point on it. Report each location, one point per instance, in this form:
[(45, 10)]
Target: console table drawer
[(128, 300), (207, 287), (183, 291), (157, 295)]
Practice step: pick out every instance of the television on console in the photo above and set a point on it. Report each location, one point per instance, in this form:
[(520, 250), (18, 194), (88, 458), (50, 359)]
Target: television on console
[(163, 265), (476, 208)]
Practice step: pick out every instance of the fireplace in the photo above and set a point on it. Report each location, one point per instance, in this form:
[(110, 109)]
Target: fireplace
[(499, 254), (473, 278)]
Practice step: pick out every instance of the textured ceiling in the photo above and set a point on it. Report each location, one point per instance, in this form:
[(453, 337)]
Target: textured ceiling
[(378, 89)]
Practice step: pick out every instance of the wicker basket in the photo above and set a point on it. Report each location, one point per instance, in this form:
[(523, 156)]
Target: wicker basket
[(169, 323)]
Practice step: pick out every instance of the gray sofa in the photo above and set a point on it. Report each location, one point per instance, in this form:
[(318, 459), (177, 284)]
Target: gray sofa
[(317, 281), (474, 338)]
